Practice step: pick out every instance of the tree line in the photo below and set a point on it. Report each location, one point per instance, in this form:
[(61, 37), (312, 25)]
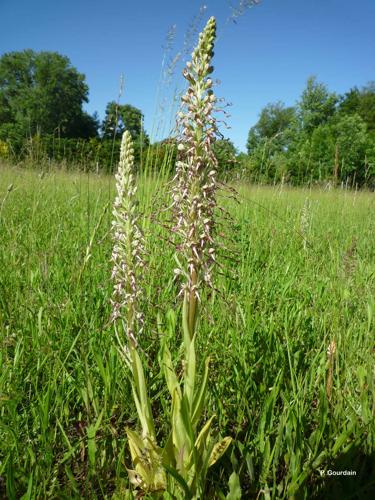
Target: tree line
[(324, 137), (42, 119), (41, 112)]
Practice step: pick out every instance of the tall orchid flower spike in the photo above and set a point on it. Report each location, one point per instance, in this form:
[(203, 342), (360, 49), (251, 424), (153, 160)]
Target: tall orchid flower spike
[(128, 250), (127, 258), (194, 193)]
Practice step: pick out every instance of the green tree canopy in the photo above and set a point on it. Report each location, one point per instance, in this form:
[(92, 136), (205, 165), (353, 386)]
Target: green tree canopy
[(225, 153), (323, 137), (316, 106), (352, 144), (42, 93), (273, 122), (350, 102), (362, 103), (121, 117)]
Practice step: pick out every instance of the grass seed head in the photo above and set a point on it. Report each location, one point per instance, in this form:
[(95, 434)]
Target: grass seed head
[(331, 349)]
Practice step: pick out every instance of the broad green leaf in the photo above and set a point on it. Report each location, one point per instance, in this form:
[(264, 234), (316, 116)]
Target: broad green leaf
[(91, 445), (181, 481), (142, 399), (219, 450), (168, 457), (169, 373), (181, 431), (179, 435), (200, 396), (186, 418), (203, 437), (234, 487)]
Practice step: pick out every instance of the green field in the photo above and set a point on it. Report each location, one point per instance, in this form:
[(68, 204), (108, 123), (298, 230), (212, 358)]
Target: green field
[(298, 274)]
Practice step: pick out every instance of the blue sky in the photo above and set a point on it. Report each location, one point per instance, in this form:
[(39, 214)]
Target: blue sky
[(265, 56)]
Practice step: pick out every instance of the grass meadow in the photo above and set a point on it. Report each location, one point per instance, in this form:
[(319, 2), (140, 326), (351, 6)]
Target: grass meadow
[(289, 331)]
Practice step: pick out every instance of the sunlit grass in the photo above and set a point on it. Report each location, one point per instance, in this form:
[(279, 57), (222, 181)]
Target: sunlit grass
[(64, 392)]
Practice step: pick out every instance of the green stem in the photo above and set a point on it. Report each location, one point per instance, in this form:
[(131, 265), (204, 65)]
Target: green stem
[(193, 305)]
